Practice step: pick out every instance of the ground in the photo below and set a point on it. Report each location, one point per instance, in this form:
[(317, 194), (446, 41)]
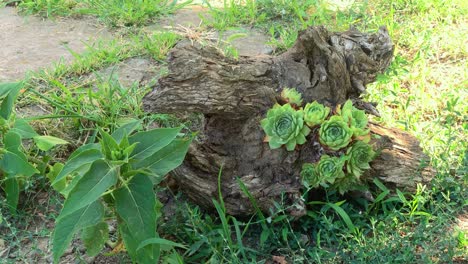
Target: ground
[(425, 92)]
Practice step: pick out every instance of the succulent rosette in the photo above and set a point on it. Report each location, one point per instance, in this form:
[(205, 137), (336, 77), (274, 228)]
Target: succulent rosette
[(357, 119), (292, 96), (315, 113), (346, 184), (330, 168), (335, 133), (285, 126), (358, 157), (310, 178)]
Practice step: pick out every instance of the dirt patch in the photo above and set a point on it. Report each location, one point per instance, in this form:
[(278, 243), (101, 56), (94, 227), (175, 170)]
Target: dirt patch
[(139, 71), (462, 223), (247, 42), (30, 43), (187, 17), (187, 21)]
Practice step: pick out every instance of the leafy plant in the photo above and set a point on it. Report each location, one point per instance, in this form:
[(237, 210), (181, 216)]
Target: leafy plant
[(309, 177), (356, 119), (130, 13), (335, 133), (346, 129), (315, 113), (358, 157), (292, 96), (48, 8), (115, 13), (117, 173), (15, 167), (326, 171), (285, 126)]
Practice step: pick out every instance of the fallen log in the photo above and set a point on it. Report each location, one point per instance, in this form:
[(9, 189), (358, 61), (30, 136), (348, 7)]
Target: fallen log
[(234, 95)]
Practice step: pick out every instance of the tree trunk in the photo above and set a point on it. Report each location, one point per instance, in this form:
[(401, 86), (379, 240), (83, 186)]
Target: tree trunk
[(234, 95)]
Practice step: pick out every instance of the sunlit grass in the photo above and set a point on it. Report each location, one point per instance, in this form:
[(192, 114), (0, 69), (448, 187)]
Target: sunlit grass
[(115, 13), (424, 92)]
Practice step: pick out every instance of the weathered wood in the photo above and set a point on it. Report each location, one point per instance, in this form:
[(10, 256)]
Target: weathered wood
[(401, 163), (234, 95)]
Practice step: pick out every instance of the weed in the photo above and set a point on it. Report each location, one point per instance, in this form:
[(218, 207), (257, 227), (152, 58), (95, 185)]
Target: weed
[(118, 13), (48, 8), (115, 13)]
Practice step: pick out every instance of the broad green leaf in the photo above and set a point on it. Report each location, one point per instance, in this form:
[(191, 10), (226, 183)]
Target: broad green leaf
[(11, 91), (12, 142), (5, 89), (11, 189), (135, 204), (76, 177), (126, 129), (161, 242), (149, 142), (94, 238), (14, 161), (131, 243), (99, 178), (166, 159), (13, 164), (84, 158), (45, 143), (108, 144), (53, 172), (84, 148), (69, 225), (23, 128)]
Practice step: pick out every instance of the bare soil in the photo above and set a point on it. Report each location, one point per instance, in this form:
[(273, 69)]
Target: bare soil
[(30, 43)]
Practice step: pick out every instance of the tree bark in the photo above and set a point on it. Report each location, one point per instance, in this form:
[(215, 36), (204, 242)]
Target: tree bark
[(234, 95)]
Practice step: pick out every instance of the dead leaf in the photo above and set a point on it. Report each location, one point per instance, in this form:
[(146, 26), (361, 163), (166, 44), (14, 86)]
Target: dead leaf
[(279, 260)]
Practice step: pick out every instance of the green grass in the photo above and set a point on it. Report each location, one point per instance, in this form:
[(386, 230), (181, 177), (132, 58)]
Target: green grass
[(424, 92), (115, 13), (75, 95)]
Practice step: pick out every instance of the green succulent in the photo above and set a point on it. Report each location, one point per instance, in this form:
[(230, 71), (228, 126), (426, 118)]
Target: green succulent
[(292, 96), (315, 113), (346, 184), (285, 126), (310, 178), (330, 168), (358, 157), (357, 119), (335, 133)]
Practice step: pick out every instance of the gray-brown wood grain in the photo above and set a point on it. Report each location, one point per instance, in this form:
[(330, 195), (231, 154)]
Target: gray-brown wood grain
[(234, 95)]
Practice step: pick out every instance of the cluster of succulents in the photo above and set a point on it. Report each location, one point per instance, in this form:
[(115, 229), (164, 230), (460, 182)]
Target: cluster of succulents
[(343, 134), (285, 126)]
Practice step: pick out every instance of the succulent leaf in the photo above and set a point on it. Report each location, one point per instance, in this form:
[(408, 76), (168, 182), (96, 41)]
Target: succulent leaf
[(315, 113), (356, 119), (358, 157), (285, 126), (330, 168), (335, 133), (327, 170), (292, 96), (345, 184), (309, 176)]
